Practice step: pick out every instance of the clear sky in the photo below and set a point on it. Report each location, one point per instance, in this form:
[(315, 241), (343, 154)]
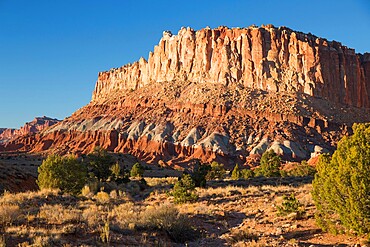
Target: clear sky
[(52, 50)]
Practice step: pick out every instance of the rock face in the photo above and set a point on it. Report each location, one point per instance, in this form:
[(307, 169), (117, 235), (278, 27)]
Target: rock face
[(266, 58), (36, 125), (220, 94)]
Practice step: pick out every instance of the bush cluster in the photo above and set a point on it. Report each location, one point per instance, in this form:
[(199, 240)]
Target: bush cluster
[(302, 170), (64, 173), (217, 171), (237, 173), (290, 205), (184, 190), (137, 170), (269, 165), (341, 188), (70, 174)]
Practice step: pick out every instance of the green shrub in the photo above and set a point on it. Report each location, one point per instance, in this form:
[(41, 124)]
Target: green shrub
[(341, 188), (290, 205), (217, 171), (137, 170), (270, 164), (64, 173), (100, 163), (247, 173), (302, 170), (184, 189), (236, 174), (115, 170), (199, 174)]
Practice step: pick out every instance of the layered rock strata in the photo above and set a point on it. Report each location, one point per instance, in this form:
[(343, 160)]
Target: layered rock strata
[(36, 125), (220, 94), (266, 58)]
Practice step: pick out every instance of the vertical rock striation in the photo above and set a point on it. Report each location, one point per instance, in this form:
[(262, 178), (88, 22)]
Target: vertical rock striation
[(266, 58)]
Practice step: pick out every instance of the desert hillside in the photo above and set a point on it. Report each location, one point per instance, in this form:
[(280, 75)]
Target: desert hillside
[(224, 94)]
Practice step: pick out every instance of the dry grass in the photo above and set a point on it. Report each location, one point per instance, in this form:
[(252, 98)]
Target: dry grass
[(93, 215), (9, 213), (161, 181), (102, 197), (126, 215), (227, 213), (57, 214)]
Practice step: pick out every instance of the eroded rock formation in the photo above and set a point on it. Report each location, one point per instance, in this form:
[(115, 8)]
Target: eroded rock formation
[(220, 94), (36, 125), (266, 58)]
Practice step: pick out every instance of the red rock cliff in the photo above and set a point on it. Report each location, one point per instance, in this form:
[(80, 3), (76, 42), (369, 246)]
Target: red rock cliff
[(267, 58), (36, 125)]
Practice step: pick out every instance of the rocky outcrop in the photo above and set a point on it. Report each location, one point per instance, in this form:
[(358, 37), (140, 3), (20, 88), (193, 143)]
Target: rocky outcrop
[(266, 58), (36, 125), (222, 94)]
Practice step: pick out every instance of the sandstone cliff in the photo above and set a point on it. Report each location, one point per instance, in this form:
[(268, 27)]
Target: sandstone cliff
[(266, 58), (36, 125), (220, 94)]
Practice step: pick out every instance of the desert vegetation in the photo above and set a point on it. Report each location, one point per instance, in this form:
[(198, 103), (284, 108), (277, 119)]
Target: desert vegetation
[(342, 185), (95, 201)]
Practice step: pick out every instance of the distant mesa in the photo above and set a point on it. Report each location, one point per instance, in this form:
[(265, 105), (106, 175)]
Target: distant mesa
[(224, 94), (36, 125)]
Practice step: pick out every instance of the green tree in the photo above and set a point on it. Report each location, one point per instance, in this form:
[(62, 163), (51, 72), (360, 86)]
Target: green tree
[(184, 190), (64, 173), (100, 162), (341, 188), (116, 170), (270, 164), (217, 171), (302, 170), (137, 170), (290, 205), (236, 174), (199, 174), (247, 173)]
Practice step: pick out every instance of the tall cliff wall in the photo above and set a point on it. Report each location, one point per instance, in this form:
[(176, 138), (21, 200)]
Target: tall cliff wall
[(267, 58)]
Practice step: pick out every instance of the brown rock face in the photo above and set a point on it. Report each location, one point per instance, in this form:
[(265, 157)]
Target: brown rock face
[(222, 94), (266, 58), (36, 125)]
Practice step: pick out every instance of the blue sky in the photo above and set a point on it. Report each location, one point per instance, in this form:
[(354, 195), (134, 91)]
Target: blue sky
[(52, 50)]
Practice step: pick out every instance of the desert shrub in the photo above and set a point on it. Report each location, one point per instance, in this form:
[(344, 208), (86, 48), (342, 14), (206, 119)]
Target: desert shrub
[(42, 241), (86, 191), (93, 215), (2, 241), (302, 170), (290, 205), (105, 232), (64, 173), (269, 164), (184, 190), (341, 188), (247, 173), (199, 174), (102, 197), (115, 170), (236, 174), (164, 218), (126, 215), (137, 170), (217, 171), (167, 218), (8, 213), (57, 214), (100, 163)]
